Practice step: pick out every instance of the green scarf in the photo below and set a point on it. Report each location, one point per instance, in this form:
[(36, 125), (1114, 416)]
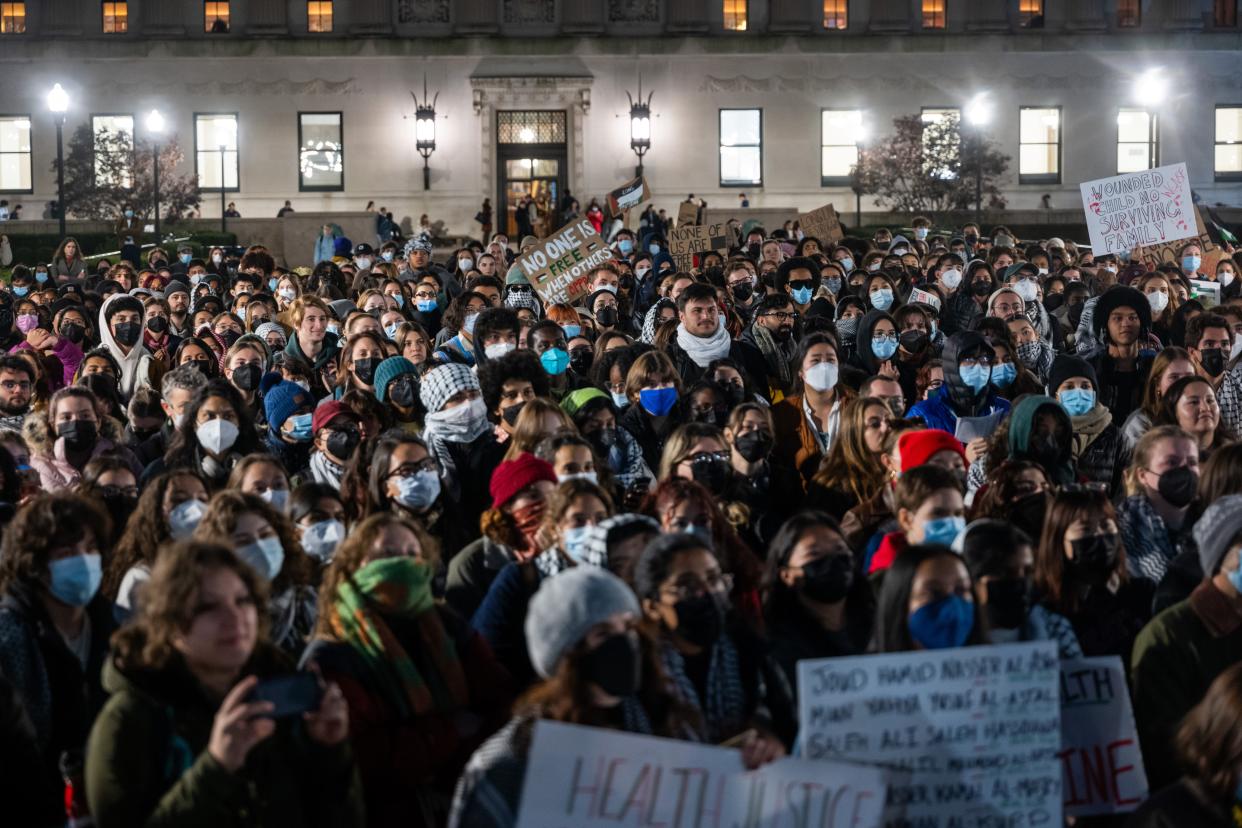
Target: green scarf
[(1088, 427), (400, 587)]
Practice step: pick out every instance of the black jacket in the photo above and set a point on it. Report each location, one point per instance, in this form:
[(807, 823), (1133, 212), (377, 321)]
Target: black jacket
[(747, 356)]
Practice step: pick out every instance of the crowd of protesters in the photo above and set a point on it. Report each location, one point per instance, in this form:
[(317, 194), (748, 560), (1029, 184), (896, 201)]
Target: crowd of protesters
[(463, 510)]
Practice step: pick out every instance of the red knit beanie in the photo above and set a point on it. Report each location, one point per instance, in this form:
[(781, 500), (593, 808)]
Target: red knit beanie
[(512, 476), (917, 447)]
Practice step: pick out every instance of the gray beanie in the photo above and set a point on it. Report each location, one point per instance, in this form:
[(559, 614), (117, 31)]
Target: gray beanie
[(1215, 530), (565, 608)]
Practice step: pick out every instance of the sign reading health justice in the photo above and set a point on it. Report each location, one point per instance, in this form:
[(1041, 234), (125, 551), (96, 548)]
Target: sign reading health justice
[(971, 735), (586, 777), (1139, 209)]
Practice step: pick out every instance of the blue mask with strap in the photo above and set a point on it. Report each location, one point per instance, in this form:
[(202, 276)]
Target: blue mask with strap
[(943, 624), (555, 361), (976, 376), (1004, 374), (657, 401), (1077, 401)]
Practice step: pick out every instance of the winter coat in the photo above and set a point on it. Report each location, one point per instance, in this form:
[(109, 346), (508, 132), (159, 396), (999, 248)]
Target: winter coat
[(961, 312), (955, 398), (47, 452), (797, 444), (747, 357), (148, 762), (641, 426), (471, 573)]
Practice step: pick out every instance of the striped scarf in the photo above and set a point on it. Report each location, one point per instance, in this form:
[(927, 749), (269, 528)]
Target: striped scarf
[(724, 713)]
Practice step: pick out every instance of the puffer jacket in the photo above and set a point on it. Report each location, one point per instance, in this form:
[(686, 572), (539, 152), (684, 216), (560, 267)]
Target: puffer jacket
[(956, 399)]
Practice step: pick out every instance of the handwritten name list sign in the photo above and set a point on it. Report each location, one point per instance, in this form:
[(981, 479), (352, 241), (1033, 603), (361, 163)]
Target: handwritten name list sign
[(1139, 209)]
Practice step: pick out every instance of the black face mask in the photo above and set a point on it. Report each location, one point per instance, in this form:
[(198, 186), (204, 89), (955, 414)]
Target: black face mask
[(79, 435), (700, 620), (735, 394), (615, 666), (1213, 361), (1045, 450), (341, 444), (742, 292), (137, 437), (603, 440), (157, 324), (72, 332), (1178, 486), (753, 250), (1027, 513), (1054, 301), (1095, 558), (510, 413), (754, 445), (913, 341), (828, 580), (401, 392), (580, 360), (230, 337), (127, 333), (606, 316), (981, 288), (364, 369), (712, 473), (1009, 602), (6, 320), (247, 377)]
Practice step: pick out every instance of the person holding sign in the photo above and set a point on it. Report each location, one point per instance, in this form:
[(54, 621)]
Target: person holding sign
[(598, 669)]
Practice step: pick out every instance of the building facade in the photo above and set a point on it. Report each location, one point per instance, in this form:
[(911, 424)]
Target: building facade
[(315, 102)]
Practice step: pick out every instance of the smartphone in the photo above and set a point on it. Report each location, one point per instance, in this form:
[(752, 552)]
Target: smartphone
[(291, 695), (640, 484)]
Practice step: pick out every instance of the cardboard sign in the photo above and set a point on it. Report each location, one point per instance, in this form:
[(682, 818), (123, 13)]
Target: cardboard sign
[(972, 734), (590, 778), (687, 213), (1208, 293), (558, 265), (1101, 764), (823, 224), (1139, 209), (1154, 255), (685, 242), (628, 196)]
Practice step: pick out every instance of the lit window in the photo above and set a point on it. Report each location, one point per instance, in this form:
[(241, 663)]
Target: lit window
[(1228, 143), (838, 150), (1039, 145), (741, 147), (216, 17), (115, 18), (1031, 13), (933, 14), (12, 18), (735, 15), (114, 149), (950, 117), (321, 151), (15, 159), (1137, 140), (1225, 13), (215, 151), (319, 15), (836, 14), (1129, 14)]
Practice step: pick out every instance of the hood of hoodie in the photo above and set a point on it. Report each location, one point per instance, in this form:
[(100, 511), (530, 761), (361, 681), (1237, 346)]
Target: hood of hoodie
[(862, 345), (964, 398), (129, 362), (1022, 425)]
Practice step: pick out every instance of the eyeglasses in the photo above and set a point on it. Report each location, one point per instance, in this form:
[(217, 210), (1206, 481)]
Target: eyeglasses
[(14, 385), (690, 586), (781, 316), (410, 469), (971, 362)]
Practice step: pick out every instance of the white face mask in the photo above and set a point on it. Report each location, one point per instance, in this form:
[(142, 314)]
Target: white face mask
[(1225, 277), (1237, 346), (822, 376), (1158, 301), (498, 349), (184, 518), (951, 278), (217, 435), (363, 264), (459, 424), (279, 498), (321, 539), (590, 477)]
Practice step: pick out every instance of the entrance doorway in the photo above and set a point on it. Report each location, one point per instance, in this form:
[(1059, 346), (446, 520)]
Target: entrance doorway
[(532, 156)]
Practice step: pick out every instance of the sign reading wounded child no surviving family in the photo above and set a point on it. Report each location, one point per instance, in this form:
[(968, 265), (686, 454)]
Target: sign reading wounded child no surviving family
[(1155, 255), (971, 735), (684, 242), (585, 777), (558, 265), (822, 224), (1139, 209)]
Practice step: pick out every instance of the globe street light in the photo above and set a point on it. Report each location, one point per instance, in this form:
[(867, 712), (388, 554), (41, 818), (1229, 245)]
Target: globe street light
[(58, 103), (979, 115), (155, 126)]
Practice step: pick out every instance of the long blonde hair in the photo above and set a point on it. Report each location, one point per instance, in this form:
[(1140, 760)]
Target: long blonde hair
[(1146, 448), (850, 466)]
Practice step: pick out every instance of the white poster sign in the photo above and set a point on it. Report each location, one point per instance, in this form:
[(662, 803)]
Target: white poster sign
[(1139, 209)]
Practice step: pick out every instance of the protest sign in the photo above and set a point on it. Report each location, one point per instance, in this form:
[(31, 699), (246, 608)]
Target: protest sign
[(976, 730), (685, 242), (822, 224), (1138, 209), (628, 196), (557, 266), (1101, 765), (1155, 255), (589, 778), (687, 213)]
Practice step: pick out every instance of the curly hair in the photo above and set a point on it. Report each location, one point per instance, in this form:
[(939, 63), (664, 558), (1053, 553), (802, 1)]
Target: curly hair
[(515, 365), (225, 509), (146, 530), (44, 523)]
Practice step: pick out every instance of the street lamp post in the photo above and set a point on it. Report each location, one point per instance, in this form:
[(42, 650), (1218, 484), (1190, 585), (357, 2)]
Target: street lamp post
[(640, 125), (155, 125), (979, 114), (425, 130), (58, 103), (224, 219)]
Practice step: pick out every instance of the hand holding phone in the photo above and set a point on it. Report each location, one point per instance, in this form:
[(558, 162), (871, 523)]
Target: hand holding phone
[(289, 695)]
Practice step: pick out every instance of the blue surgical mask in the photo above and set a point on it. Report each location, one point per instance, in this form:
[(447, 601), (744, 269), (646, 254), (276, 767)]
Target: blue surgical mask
[(943, 624), (884, 348), (554, 361), (1004, 374), (271, 284), (572, 330), (266, 556), (833, 284), (75, 580), (625, 246), (387, 255), (20, 290), (471, 319), (40, 276), (1077, 401), (976, 376), (278, 499), (575, 542), (301, 427), (399, 298), (653, 249), (425, 305), (801, 295), (185, 258), (418, 491), (319, 540), (390, 331), (1190, 264), (882, 299), (620, 400), (129, 214), (847, 263), (943, 530), (658, 401)]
